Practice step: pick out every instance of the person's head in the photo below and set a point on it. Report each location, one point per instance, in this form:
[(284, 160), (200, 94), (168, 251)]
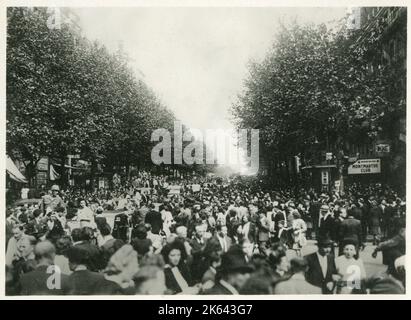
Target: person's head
[(245, 218), (105, 229), (141, 232), (150, 280), (181, 231), (234, 270), (349, 249), (123, 264), (17, 232), (324, 210), (296, 214), (45, 252), (26, 246), (87, 234), (36, 213), (279, 262), (76, 234), (55, 190), (63, 244), (298, 265), (199, 231), (77, 256), (82, 203), (60, 211), (257, 284), (325, 246), (172, 254)]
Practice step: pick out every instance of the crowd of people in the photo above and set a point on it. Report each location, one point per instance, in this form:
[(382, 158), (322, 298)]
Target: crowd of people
[(204, 235)]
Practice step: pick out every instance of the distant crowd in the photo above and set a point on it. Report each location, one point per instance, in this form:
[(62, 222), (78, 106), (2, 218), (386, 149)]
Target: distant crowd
[(205, 235)]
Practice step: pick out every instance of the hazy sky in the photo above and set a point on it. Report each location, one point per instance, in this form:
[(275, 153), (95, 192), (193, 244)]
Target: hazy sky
[(195, 59)]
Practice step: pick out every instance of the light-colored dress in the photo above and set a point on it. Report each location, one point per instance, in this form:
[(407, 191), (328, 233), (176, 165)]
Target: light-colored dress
[(352, 272), (299, 229)]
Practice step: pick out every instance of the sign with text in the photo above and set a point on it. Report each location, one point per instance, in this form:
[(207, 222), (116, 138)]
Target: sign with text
[(196, 187), (382, 148), (365, 166), (324, 177)]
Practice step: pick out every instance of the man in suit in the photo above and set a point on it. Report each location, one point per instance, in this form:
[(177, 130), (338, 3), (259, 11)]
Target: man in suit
[(321, 266), (325, 223), (37, 226), (375, 221), (381, 209), (82, 239), (82, 280), (222, 238), (232, 274), (314, 212), (349, 228), (121, 226), (297, 284), (198, 244), (364, 216), (46, 279), (154, 219)]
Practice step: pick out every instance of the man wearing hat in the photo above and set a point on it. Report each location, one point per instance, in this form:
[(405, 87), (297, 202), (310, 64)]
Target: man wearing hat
[(232, 274), (321, 266), (55, 200)]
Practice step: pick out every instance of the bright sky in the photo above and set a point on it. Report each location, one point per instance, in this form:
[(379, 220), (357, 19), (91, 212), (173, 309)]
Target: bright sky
[(195, 59)]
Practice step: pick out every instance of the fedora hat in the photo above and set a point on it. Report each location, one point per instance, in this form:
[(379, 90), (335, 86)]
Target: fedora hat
[(234, 262), (325, 242)]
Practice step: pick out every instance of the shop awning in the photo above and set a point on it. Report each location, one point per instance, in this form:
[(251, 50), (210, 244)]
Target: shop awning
[(14, 172), (320, 166)]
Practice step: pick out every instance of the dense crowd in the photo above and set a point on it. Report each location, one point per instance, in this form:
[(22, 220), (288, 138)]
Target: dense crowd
[(204, 235)]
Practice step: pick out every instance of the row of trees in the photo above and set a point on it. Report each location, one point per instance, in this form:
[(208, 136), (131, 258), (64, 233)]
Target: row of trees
[(315, 91), (68, 95)]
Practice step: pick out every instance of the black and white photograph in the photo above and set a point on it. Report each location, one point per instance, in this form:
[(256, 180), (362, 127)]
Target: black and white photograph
[(204, 149)]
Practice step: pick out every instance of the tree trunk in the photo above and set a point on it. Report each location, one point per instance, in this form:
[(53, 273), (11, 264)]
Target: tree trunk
[(93, 173), (31, 173), (63, 175)]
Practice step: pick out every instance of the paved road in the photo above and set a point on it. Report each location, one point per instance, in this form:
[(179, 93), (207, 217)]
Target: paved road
[(372, 266)]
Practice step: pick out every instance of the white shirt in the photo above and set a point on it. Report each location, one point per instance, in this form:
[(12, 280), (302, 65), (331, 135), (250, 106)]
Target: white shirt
[(223, 243), (85, 214), (323, 263), (350, 269)]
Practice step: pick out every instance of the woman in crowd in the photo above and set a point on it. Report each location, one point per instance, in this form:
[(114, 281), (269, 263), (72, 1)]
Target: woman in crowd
[(299, 229), (280, 267), (178, 279), (242, 206), (350, 270)]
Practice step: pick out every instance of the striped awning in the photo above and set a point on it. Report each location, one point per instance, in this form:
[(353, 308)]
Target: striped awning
[(13, 172)]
